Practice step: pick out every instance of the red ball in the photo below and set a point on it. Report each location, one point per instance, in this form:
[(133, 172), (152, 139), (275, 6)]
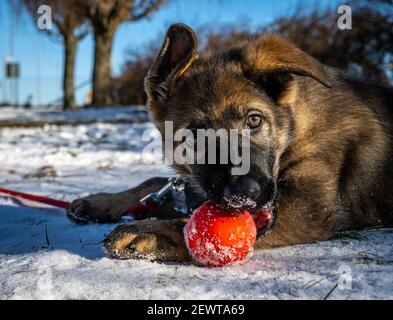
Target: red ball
[(216, 237)]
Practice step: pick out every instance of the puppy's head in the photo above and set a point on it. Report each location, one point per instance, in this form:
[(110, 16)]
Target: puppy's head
[(250, 87)]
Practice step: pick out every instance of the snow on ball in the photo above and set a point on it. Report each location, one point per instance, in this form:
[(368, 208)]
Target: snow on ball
[(216, 237)]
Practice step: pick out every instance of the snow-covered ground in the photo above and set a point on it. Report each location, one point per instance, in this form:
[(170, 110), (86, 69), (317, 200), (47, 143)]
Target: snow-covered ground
[(43, 256), (26, 117)]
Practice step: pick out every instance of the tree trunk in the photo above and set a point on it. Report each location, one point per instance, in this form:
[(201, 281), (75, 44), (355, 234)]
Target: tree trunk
[(70, 44), (102, 77)]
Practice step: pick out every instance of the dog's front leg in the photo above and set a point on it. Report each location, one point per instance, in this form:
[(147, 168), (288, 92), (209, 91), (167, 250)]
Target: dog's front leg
[(109, 207), (155, 240)]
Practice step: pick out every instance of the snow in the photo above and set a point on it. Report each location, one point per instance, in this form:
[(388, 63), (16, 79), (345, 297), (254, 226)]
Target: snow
[(43, 256), (10, 115)]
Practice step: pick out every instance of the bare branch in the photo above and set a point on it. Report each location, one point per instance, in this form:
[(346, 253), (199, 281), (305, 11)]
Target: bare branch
[(145, 8), (66, 16)]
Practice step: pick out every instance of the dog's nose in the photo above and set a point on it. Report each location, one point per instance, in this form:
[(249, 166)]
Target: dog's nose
[(243, 188)]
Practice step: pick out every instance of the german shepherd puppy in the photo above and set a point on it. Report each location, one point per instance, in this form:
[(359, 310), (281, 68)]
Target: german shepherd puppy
[(321, 145)]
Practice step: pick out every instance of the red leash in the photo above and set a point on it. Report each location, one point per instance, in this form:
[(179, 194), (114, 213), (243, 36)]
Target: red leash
[(40, 199), (137, 211)]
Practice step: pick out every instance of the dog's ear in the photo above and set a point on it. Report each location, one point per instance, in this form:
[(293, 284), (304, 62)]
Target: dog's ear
[(272, 61), (176, 55)]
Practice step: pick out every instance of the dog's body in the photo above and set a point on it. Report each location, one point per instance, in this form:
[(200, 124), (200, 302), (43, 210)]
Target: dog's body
[(322, 152)]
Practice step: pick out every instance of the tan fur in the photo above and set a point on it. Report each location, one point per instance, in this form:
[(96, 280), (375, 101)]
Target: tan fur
[(147, 239), (270, 53)]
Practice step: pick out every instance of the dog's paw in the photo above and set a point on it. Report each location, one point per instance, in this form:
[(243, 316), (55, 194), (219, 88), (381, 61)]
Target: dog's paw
[(98, 208), (155, 240)]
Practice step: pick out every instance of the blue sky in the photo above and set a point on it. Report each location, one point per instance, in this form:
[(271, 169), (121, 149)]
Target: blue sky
[(41, 56)]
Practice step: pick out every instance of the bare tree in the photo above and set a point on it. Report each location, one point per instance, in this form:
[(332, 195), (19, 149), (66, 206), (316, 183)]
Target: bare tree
[(105, 17), (130, 85), (71, 26), (366, 50)]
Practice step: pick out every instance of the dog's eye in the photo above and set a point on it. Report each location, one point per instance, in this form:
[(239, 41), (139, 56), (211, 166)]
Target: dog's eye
[(254, 121)]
